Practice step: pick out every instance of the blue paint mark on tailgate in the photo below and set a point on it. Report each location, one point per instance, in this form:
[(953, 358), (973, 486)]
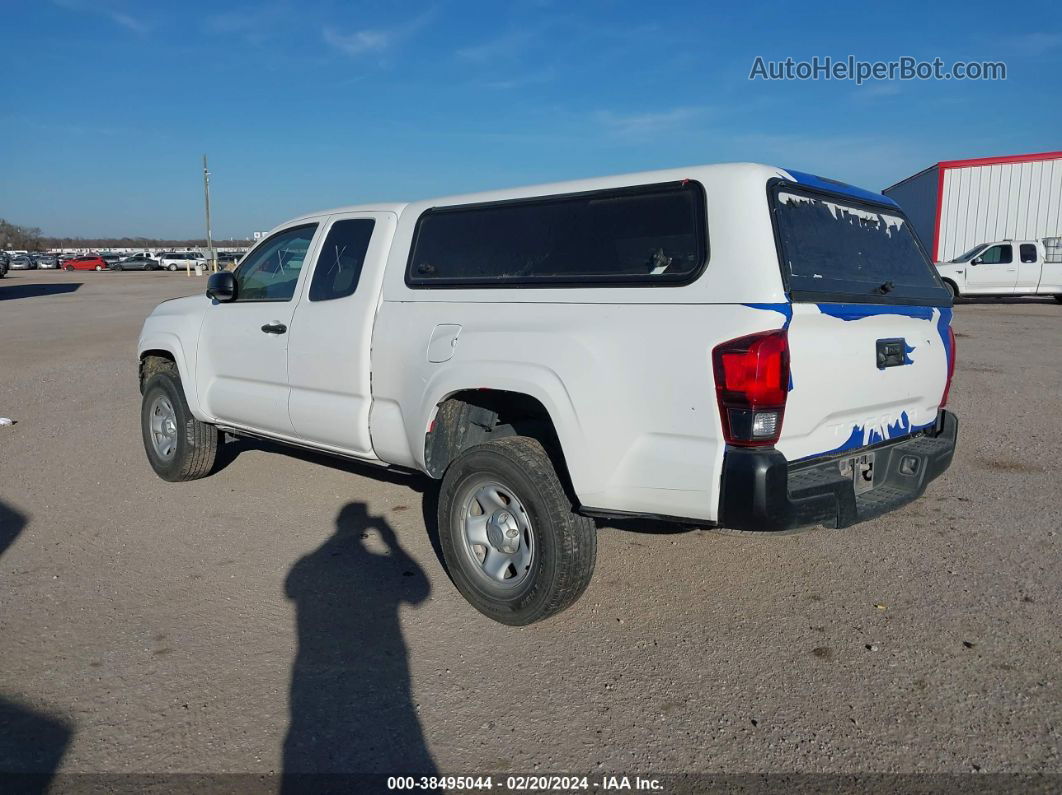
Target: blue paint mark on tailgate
[(860, 311)]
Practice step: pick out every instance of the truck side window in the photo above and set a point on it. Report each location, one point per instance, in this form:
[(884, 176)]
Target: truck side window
[(1028, 252), (271, 271), (648, 234), (342, 255), (998, 255)]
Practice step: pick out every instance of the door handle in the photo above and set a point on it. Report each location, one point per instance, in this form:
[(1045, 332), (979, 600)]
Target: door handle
[(274, 328)]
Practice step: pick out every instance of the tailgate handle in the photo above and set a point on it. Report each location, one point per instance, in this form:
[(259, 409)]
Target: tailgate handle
[(892, 353)]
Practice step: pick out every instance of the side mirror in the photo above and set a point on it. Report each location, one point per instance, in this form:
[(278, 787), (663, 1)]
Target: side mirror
[(221, 286), (976, 261)]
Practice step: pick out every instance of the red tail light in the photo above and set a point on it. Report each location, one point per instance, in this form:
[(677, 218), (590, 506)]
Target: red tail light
[(951, 366), (751, 384)]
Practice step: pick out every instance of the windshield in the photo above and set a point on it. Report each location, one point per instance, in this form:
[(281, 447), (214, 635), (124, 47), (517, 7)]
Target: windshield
[(841, 250), (969, 255)]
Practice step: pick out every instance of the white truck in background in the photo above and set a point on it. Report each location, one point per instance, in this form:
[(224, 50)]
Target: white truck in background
[(1006, 267), (733, 345)]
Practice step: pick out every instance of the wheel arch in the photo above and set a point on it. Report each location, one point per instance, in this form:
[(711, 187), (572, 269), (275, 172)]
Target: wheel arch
[(954, 285), (164, 346), (463, 418)]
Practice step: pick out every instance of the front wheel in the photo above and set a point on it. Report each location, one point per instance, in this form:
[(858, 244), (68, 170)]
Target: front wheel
[(69, 267), (172, 266), (99, 267), (514, 547), (179, 447), (952, 292), (114, 268)]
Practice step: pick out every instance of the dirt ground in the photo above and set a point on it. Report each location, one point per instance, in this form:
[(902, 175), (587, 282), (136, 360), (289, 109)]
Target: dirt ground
[(290, 612)]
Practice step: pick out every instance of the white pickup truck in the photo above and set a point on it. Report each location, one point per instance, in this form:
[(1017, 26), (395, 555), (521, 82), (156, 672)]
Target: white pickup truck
[(733, 345), (1006, 267)]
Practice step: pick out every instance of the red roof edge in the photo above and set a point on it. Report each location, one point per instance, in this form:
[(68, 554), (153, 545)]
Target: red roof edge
[(994, 161)]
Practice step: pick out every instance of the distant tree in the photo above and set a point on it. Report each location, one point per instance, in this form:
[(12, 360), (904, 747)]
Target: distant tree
[(29, 238), (17, 237)]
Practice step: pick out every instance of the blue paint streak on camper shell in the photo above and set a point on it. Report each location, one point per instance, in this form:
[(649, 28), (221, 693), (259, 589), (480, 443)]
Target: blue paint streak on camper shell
[(843, 188), (908, 350), (860, 311), (786, 311), (943, 322)]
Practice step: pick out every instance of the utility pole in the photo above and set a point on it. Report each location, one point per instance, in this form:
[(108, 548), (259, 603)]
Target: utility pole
[(206, 196)]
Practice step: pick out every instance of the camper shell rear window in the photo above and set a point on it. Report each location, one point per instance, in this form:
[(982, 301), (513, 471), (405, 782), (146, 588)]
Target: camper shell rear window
[(835, 248), (642, 235)]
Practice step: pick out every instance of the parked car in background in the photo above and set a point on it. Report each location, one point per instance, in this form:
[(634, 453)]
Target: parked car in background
[(179, 260), (1006, 267), (110, 258), (46, 261), (227, 258), (86, 262), (22, 262), (137, 262)]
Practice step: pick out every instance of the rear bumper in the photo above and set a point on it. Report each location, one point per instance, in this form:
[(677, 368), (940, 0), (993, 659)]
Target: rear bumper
[(762, 491)]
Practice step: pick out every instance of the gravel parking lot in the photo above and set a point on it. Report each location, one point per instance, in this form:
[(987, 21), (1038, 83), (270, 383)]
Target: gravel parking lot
[(156, 627)]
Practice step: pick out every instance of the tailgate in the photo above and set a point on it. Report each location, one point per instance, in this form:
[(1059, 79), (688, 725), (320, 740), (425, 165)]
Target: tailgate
[(862, 374), (869, 337)]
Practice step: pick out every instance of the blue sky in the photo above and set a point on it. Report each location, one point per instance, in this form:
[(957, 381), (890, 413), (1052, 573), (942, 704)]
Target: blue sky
[(108, 105)]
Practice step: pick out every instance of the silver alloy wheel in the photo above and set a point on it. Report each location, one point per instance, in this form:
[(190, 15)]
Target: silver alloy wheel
[(163, 421), (497, 538)]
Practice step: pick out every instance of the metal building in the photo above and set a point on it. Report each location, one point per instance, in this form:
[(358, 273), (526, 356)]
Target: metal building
[(956, 204)]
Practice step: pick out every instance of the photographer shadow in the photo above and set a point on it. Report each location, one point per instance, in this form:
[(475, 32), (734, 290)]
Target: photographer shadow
[(32, 742), (351, 704)]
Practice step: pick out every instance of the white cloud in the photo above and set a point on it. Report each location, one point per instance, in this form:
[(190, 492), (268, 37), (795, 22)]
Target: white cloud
[(358, 42), (1034, 44), (870, 91), (118, 17), (640, 126), (129, 22), (362, 42), (505, 46)]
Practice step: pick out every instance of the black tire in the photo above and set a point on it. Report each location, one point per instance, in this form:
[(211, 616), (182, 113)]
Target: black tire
[(69, 267), (952, 291), (196, 442), (116, 267), (564, 544), (1058, 298), (172, 266)]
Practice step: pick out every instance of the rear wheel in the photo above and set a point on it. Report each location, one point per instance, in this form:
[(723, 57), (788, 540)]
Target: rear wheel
[(178, 446), (514, 547), (99, 267)]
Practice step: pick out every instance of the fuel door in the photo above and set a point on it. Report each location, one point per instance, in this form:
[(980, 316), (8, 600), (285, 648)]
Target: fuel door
[(442, 342)]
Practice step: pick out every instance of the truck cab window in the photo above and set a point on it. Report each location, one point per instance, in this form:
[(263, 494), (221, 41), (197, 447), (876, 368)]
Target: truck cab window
[(342, 255), (271, 271), (1028, 252), (997, 255)]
